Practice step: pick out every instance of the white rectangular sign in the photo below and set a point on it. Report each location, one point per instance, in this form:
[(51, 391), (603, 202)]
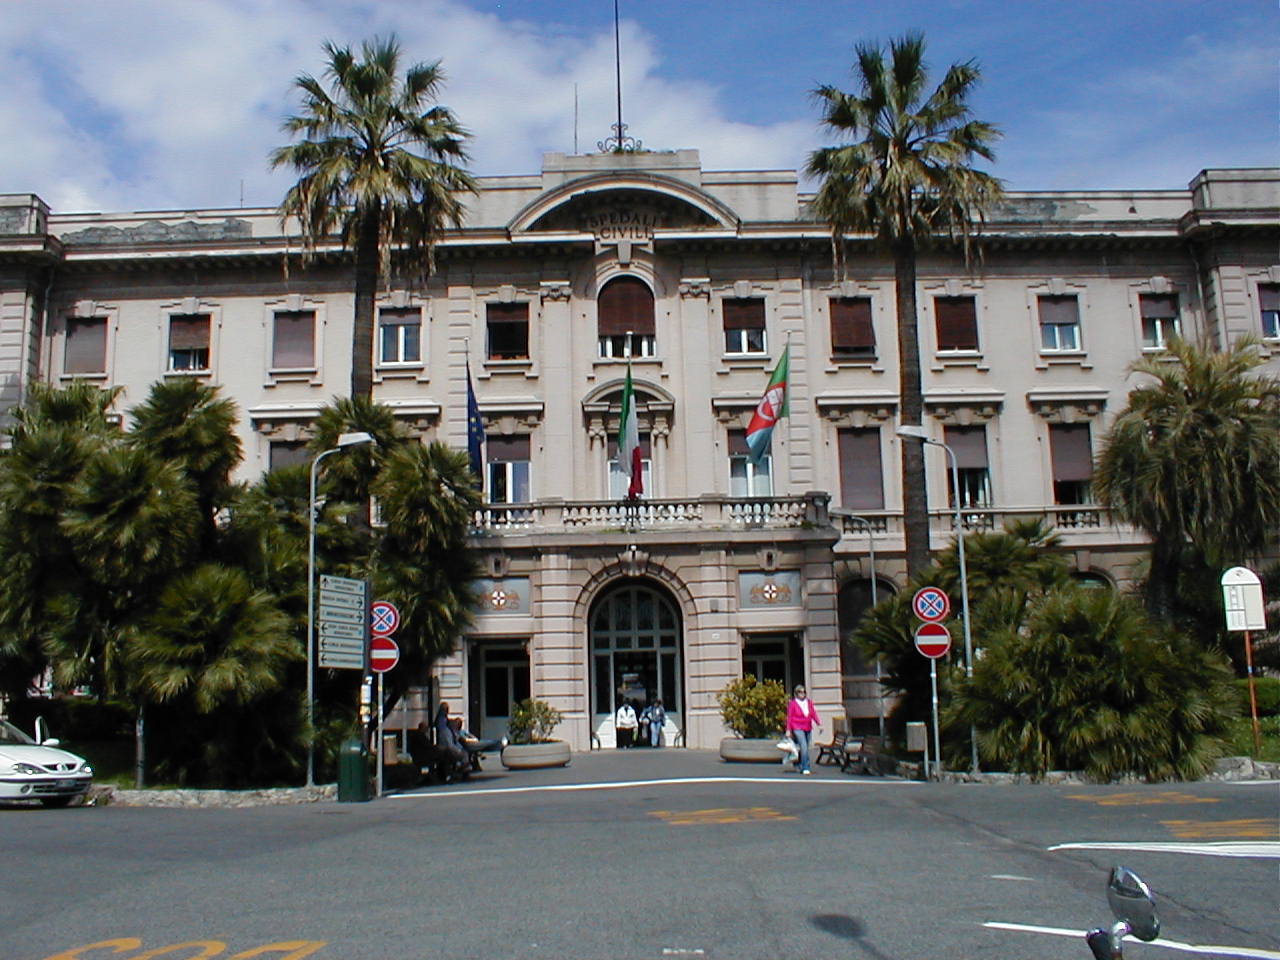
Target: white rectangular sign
[(1243, 601), (343, 623)]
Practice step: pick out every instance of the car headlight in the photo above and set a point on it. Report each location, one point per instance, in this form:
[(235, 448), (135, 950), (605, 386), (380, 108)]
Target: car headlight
[(86, 769), (27, 769)]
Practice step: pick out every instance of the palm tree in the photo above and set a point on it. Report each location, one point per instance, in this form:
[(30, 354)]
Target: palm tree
[(906, 178), (378, 162), (1194, 461)]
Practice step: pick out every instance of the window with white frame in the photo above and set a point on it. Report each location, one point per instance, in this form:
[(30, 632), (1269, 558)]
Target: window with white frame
[(748, 479), (619, 482), (1160, 322), (625, 319), (1269, 304), (1059, 323), (956, 322), (293, 340), (507, 331), (744, 331), (508, 468), (399, 336), (969, 446), (189, 341), (85, 350)]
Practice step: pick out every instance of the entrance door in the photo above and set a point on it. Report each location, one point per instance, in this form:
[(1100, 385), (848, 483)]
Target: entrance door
[(504, 682), (635, 655)]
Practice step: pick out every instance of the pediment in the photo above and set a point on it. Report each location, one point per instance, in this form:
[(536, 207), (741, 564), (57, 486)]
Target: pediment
[(633, 207)]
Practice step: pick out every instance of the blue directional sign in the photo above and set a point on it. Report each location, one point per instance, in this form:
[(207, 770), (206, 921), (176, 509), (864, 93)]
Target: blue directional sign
[(931, 604)]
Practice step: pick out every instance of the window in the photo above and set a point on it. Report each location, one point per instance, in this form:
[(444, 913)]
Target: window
[(508, 330), (969, 444), (508, 468), (293, 346), (625, 306), (189, 341), (619, 481), (852, 333), (861, 476), (747, 479), (743, 325), (287, 453), (86, 347), (1269, 303), (1072, 457), (400, 336), (957, 323), (1059, 324), (1159, 319)]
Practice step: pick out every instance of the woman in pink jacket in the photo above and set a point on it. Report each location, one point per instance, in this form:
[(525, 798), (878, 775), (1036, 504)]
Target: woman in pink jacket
[(802, 717)]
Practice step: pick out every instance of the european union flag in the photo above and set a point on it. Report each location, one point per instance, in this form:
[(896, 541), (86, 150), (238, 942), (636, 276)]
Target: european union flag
[(475, 430)]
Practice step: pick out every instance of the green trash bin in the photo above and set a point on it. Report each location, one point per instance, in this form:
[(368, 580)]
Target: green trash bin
[(353, 773)]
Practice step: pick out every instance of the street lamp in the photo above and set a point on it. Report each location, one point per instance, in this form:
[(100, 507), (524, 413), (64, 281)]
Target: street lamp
[(344, 440), (916, 432), (871, 550)]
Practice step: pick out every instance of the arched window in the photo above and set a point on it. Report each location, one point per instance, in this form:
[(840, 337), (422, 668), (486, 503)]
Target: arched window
[(624, 306)]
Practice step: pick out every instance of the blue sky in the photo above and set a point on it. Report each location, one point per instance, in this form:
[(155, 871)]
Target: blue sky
[(160, 104)]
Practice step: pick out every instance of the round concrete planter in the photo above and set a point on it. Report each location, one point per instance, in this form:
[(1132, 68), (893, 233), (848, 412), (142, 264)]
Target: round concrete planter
[(741, 750), (529, 756)]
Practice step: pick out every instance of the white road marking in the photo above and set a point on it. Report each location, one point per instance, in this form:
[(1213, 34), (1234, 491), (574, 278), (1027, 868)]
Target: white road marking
[(1012, 876), (628, 784), (1255, 849), (1250, 953)]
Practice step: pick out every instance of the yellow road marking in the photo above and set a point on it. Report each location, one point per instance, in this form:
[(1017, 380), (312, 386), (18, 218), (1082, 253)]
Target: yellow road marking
[(1218, 829), (684, 818), (297, 950), (1140, 799)]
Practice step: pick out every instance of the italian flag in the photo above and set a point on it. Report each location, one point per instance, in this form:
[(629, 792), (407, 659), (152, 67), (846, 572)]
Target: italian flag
[(629, 441), (772, 407)]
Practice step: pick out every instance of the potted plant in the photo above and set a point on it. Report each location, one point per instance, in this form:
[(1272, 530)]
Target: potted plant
[(530, 744), (755, 710)]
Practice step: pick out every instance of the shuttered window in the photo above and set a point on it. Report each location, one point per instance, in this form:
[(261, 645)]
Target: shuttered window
[(287, 453), (400, 335), (625, 304), (189, 341), (1269, 302), (1059, 323), (957, 323), (1072, 457), (1160, 322), (86, 346), (861, 474), (743, 325), (293, 346), (852, 332), (508, 330), (747, 479), (969, 444), (509, 468)]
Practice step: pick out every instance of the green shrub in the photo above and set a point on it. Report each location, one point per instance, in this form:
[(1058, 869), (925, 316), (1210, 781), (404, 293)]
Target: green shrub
[(754, 709), (1268, 692), (533, 721)]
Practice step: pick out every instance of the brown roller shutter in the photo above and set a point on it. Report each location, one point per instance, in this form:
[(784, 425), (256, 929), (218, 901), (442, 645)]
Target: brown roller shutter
[(86, 346), (1062, 310), (743, 314), (957, 322), (1071, 453), (861, 483), (851, 329), (513, 449), (294, 344), (1158, 306), (969, 444), (189, 331), (625, 304), (1269, 296)]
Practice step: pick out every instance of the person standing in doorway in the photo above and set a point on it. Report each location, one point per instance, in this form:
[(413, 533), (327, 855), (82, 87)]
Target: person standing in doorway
[(802, 718), (657, 715), (625, 722)]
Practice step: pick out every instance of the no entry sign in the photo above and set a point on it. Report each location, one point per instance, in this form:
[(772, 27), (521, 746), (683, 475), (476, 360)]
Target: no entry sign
[(933, 640), (384, 653), (931, 604)]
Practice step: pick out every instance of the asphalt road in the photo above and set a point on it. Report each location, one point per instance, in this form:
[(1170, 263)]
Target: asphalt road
[(692, 858)]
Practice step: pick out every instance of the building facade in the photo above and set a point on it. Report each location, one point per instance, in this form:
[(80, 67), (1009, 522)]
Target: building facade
[(702, 278)]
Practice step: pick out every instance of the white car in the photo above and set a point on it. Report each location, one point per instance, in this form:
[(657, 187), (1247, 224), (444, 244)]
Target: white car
[(37, 771)]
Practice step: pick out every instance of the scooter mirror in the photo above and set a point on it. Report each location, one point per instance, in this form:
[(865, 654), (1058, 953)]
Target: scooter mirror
[(1131, 901)]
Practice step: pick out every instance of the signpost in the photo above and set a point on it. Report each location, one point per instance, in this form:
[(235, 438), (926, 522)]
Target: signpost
[(343, 623), (384, 654), (1246, 610), (933, 640)]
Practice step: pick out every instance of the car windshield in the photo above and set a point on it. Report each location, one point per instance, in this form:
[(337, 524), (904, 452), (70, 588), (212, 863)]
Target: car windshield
[(11, 734)]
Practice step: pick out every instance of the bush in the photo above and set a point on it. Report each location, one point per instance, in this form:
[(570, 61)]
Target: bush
[(754, 709), (532, 721), (1268, 691)]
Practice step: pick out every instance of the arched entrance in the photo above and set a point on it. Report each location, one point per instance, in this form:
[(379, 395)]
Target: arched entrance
[(635, 654)]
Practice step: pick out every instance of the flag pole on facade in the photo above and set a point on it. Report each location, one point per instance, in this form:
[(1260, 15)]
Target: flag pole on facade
[(629, 436), (475, 426), (771, 408)]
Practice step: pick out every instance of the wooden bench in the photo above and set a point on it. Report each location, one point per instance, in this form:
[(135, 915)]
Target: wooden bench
[(833, 752), (864, 755)]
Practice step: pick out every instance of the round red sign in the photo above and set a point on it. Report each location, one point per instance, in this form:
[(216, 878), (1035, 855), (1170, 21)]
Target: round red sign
[(384, 653), (933, 640)]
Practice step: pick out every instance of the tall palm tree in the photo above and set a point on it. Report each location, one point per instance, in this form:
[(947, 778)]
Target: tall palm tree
[(378, 162), (906, 178), (1194, 461)]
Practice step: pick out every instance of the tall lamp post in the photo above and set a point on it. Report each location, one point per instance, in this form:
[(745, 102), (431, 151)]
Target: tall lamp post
[(344, 440), (871, 550), (916, 432)]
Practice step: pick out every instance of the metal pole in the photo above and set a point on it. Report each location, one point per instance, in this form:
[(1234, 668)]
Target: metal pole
[(964, 589), (311, 617), (1253, 696), (378, 754), (937, 745)]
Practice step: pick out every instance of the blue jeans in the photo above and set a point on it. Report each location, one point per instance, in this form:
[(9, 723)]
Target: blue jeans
[(804, 740)]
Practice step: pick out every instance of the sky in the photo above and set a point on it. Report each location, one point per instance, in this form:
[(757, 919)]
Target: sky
[(118, 105)]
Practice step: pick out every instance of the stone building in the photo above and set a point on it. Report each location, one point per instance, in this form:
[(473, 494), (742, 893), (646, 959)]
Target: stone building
[(703, 277)]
